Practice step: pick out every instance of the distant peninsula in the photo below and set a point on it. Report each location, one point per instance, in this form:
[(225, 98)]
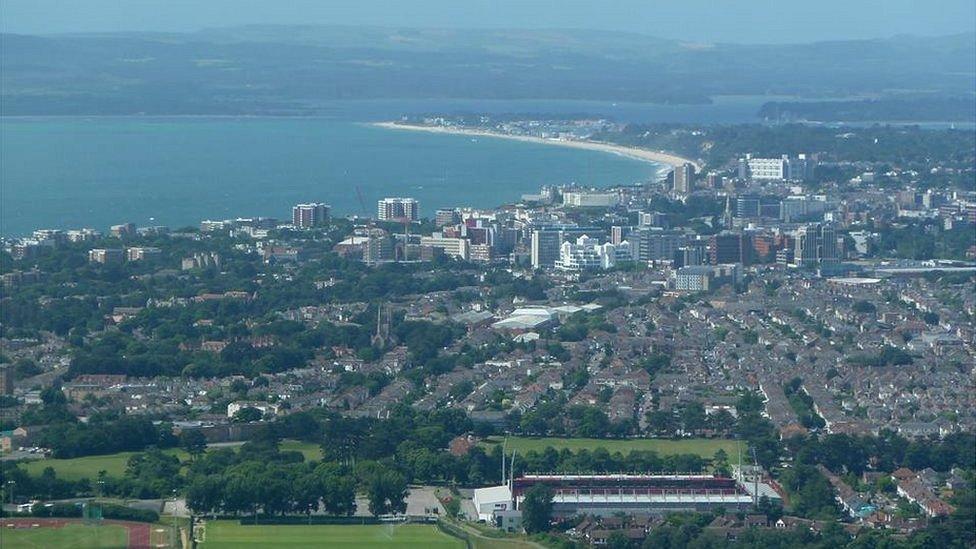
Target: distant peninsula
[(658, 157)]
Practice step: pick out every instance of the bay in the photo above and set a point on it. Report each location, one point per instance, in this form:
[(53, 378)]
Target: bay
[(95, 172)]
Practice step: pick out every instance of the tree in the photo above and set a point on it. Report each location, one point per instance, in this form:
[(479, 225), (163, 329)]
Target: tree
[(247, 415), (537, 509), (204, 493), (305, 493), (386, 491), (194, 442)]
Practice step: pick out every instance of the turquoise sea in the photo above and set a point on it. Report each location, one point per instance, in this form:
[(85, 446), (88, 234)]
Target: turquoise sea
[(95, 172)]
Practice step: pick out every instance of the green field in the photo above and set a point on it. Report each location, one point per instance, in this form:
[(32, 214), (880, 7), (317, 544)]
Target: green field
[(72, 536), (114, 464), (702, 446), (311, 451), (89, 466), (227, 534)]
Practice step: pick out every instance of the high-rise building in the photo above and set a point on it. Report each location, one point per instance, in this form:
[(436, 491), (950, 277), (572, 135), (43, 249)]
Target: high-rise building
[(306, 216), (618, 234), (815, 244), (6, 379), (686, 256), (782, 168), (653, 219), (398, 209), (446, 217), (747, 206), (714, 180), (728, 247), (545, 248), (658, 245), (378, 247), (684, 178)]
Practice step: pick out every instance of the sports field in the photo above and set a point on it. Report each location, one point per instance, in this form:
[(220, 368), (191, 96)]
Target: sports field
[(71, 536), (704, 447), (114, 464), (227, 534)]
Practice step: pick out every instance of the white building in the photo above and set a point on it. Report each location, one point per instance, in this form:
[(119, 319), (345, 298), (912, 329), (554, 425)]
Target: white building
[(454, 247), (266, 408), (780, 169), (702, 278), (586, 255), (584, 199), (492, 499), (397, 209)]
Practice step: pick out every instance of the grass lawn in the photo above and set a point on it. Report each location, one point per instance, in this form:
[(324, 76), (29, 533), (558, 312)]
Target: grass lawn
[(89, 466), (114, 464), (311, 451), (227, 534), (701, 446), (72, 536)]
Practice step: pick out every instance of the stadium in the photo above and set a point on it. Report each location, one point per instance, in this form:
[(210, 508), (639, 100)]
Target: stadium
[(605, 495)]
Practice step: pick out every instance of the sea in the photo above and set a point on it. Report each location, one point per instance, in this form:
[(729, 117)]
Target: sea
[(73, 172)]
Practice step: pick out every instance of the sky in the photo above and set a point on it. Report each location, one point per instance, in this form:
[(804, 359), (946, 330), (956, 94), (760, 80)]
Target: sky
[(738, 21)]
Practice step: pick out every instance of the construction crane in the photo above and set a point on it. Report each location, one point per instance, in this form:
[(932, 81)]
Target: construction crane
[(362, 201)]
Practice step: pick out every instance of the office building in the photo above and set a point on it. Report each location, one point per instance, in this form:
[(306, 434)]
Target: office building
[(728, 247), (684, 178), (747, 206), (446, 217), (618, 234), (815, 244), (783, 168), (802, 208), (582, 199), (714, 180), (545, 248), (378, 247), (653, 219), (657, 244), (686, 256), (398, 209), (306, 216), (704, 278), (453, 247)]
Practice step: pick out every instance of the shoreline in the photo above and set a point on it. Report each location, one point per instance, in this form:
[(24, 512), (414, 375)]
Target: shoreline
[(644, 155)]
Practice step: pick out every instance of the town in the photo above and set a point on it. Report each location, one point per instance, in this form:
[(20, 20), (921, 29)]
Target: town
[(764, 339)]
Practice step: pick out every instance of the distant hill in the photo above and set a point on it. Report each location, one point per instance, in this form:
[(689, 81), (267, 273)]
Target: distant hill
[(264, 69)]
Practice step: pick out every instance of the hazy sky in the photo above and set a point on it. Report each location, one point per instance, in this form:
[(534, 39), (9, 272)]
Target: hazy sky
[(749, 21)]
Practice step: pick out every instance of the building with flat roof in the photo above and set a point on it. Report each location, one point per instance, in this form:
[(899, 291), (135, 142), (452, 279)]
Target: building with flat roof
[(306, 216), (584, 199), (684, 178), (545, 248), (609, 494), (397, 209), (106, 256)]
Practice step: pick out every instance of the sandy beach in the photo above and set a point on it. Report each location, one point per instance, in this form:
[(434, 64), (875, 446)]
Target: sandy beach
[(630, 152)]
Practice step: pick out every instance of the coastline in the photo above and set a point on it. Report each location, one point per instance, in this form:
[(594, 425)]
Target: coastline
[(644, 155)]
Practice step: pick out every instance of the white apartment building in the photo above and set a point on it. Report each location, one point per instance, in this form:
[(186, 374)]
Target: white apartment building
[(397, 209)]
